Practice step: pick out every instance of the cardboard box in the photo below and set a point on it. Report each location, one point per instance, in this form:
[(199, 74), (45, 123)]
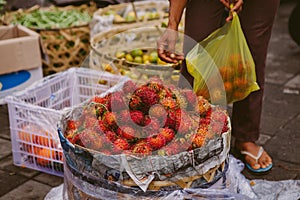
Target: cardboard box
[(20, 49)]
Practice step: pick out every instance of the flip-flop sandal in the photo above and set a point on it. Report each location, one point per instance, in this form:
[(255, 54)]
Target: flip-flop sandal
[(260, 170)]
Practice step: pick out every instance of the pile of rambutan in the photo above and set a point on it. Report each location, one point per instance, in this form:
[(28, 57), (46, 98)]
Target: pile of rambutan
[(147, 119)]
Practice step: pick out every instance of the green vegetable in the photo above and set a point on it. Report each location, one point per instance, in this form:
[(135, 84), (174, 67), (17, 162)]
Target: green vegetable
[(40, 19), (2, 4)]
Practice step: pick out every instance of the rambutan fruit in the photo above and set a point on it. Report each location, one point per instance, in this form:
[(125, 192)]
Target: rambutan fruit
[(203, 106), (121, 144), (124, 118), (129, 87), (190, 97), (117, 102), (148, 96), (109, 120), (91, 140), (110, 135), (158, 111), (142, 147), (184, 123), (156, 141), (167, 133), (169, 103), (137, 117), (173, 119), (97, 99), (156, 84), (126, 132), (198, 141), (151, 127), (135, 102)]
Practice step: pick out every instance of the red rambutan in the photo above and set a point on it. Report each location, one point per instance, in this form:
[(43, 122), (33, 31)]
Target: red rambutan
[(173, 119), (110, 135), (126, 132), (190, 97), (121, 144), (109, 120), (129, 87), (97, 99), (148, 96), (142, 147), (203, 106), (169, 103), (151, 127), (198, 141), (72, 125), (91, 140), (137, 117), (158, 111), (185, 123), (156, 84), (167, 133), (117, 101), (135, 102), (156, 141), (123, 118)]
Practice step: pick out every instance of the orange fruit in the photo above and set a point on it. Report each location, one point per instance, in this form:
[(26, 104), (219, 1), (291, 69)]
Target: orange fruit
[(44, 140), (241, 68), (35, 134), (27, 147), (44, 156), (227, 73), (24, 136), (238, 95), (228, 87), (235, 59), (240, 83)]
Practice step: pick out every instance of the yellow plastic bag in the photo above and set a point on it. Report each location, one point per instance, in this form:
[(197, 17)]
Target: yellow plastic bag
[(222, 65)]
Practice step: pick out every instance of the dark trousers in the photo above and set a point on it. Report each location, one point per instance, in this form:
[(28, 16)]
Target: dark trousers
[(257, 17)]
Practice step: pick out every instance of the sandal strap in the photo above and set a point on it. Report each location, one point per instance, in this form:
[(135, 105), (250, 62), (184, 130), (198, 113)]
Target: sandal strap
[(260, 152)]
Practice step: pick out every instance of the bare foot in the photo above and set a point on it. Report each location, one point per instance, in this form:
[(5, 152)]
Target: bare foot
[(264, 161)]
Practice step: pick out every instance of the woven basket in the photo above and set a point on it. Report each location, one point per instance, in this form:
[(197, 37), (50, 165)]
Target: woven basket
[(142, 13), (106, 44), (64, 47)]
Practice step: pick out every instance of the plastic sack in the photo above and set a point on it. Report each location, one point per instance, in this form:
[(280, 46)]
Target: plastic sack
[(222, 65)]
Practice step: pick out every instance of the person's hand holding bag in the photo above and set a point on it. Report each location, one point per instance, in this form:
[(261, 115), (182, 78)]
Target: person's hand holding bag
[(222, 64), (233, 6)]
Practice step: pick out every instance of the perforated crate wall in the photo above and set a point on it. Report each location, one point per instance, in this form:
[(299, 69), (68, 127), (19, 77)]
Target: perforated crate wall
[(35, 112)]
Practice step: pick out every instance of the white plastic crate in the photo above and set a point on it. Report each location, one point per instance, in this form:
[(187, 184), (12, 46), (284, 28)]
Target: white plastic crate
[(35, 112)]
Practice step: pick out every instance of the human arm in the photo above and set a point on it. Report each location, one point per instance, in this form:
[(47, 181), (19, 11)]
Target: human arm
[(166, 43)]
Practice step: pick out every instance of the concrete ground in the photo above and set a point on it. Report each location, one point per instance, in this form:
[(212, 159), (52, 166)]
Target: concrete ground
[(280, 129)]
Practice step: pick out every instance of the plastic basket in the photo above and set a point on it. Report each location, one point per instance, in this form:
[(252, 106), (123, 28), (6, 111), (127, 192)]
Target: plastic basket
[(35, 112)]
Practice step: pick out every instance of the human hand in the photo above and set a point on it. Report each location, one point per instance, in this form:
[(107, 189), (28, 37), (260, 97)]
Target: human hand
[(237, 7), (166, 47)]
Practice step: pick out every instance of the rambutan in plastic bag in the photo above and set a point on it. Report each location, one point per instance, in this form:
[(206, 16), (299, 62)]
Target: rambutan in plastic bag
[(222, 65)]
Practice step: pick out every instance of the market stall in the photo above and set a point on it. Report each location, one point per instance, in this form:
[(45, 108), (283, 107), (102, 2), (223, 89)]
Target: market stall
[(110, 118)]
